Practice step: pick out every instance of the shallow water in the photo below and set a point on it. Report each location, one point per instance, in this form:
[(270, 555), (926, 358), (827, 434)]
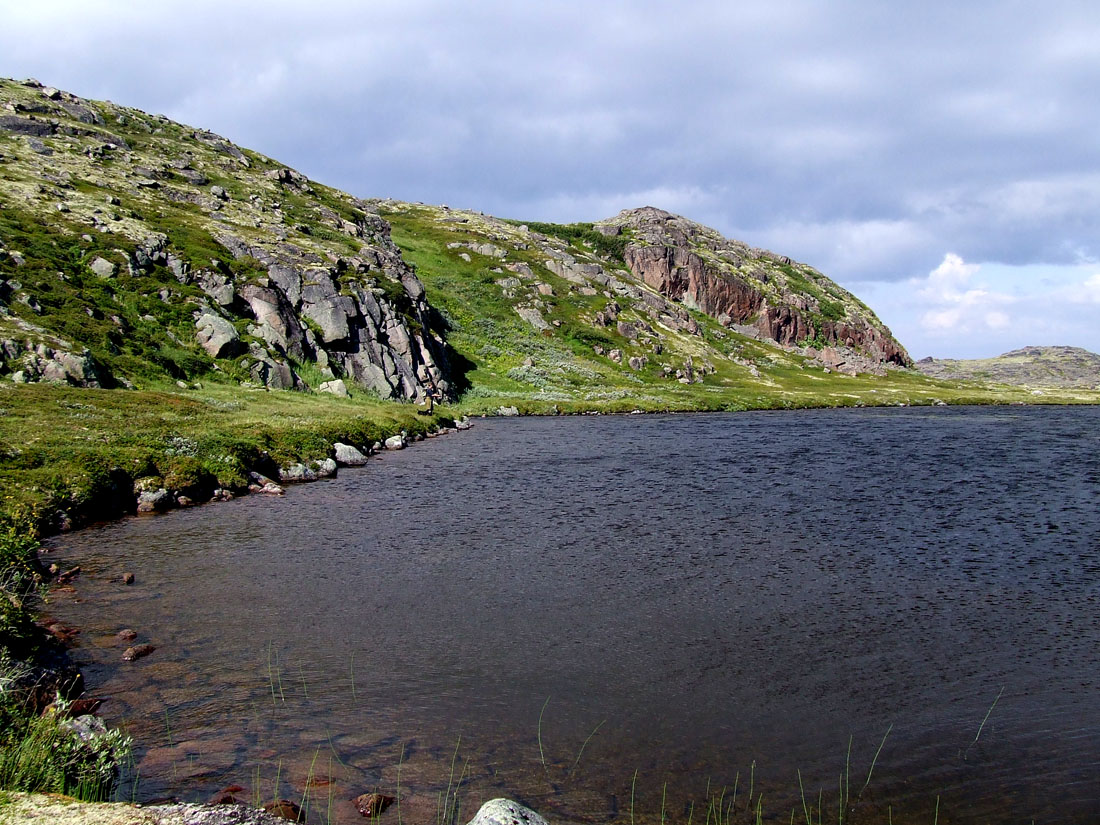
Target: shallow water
[(564, 602)]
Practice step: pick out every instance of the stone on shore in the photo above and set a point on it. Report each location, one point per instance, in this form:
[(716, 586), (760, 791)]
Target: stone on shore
[(153, 501), (506, 812), (348, 455), (63, 810)]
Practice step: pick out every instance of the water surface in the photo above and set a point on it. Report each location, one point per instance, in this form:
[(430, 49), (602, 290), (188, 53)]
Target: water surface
[(695, 598)]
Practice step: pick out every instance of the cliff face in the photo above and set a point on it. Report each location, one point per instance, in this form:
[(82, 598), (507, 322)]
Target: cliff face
[(132, 246), (790, 303)]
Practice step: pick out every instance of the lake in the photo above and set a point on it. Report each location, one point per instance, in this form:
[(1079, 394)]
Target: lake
[(610, 618)]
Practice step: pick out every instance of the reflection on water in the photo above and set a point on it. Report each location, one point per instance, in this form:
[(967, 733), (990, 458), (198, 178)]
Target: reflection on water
[(544, 607)]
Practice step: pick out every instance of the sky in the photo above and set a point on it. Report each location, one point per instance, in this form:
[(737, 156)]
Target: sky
[(941, 160)]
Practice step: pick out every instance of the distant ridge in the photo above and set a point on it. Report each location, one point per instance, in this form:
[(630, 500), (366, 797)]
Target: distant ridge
[(1055, 366)]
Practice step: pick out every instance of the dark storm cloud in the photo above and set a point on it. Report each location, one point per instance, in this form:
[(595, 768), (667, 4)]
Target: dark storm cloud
[(861, 137)]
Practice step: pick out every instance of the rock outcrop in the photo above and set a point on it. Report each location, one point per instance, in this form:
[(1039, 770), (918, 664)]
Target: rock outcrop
[(787, 302), (139, 223)]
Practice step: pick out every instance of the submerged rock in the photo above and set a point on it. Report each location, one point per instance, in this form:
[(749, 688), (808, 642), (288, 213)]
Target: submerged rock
[(285, 809), (136, 652), (372, 804)]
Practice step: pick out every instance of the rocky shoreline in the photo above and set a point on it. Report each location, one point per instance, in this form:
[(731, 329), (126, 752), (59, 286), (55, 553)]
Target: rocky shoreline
[(53, 677), (150, 494), (59, 810)]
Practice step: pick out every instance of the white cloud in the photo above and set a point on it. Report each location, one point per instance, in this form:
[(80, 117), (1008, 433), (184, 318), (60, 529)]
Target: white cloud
[(1087, 292), (956, 305), (970, 310)]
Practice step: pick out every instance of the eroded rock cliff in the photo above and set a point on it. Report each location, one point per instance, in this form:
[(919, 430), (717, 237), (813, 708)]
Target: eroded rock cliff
[(787, 302)]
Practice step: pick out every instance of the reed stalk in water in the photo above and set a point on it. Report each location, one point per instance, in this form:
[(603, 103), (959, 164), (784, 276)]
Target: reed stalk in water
[(542, 756), (583, 746)]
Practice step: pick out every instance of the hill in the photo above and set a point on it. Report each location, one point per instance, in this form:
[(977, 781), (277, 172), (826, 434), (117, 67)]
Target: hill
[(135, 248), (1036, 367)]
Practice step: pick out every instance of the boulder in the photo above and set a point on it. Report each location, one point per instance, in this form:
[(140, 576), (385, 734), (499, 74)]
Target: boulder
[(335, 387), (396, 442), (217, 336), (154, 501), (296, 473), (103, 268), (348, 455), (533, 317), (508, 411), (506, 812)]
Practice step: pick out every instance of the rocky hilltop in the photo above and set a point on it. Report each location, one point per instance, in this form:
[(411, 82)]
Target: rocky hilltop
[(646, 307), (773, 296), (132, 246), (1040, 367)]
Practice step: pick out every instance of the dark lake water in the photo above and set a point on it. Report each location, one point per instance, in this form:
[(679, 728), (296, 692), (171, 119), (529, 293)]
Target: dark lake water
[(563, 610)]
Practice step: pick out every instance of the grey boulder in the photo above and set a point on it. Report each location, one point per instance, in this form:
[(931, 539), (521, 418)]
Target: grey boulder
[(348, 455), (103, 268), (217, 336), (506, 812), (335, 387)]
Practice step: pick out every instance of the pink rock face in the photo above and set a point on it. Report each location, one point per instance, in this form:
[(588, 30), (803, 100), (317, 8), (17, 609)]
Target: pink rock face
[(666, 257)]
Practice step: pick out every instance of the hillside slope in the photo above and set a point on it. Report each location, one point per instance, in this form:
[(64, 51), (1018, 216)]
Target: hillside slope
[(138, 252), (548, 316), (133, 247)]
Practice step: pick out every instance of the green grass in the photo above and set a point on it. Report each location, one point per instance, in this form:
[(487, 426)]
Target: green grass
[(44, 754), (610, 246), (79, 451)]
